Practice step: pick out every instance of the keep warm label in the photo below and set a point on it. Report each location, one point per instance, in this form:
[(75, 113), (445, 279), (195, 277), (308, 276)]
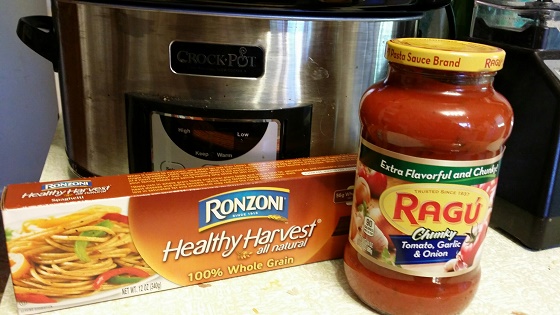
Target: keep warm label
[(419, 216)]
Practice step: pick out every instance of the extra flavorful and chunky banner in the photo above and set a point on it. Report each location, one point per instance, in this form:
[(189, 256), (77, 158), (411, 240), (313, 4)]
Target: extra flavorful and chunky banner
[(89, 240)]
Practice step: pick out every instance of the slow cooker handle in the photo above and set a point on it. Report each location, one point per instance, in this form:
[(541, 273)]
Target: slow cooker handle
[(37, 32)]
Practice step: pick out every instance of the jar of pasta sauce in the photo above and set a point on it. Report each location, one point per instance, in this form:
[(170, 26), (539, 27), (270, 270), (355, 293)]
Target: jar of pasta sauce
[(433, 135)]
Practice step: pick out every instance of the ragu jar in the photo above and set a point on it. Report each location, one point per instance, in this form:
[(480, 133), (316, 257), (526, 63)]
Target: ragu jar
[(433, 135)]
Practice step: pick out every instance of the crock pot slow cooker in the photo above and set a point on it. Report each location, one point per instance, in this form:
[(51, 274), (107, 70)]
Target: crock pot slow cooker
[(157, 85)]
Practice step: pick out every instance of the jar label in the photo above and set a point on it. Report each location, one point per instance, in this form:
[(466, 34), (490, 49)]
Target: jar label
[(421, 216)]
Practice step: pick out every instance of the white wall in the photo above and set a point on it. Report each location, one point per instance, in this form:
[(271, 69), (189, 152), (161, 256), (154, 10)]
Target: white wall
[(28, 101)]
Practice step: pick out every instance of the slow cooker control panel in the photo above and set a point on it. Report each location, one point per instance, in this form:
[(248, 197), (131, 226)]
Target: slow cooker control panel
[(185, 141), (166, 134)]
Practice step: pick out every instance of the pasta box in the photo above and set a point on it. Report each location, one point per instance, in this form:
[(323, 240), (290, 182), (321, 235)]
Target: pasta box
[(90, 240)]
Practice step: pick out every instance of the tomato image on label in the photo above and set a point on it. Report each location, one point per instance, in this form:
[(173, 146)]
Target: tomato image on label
[(368, 225), (471, 246), (376, 181)]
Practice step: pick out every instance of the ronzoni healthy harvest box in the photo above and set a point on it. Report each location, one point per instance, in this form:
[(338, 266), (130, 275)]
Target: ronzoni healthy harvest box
[(89, 240)]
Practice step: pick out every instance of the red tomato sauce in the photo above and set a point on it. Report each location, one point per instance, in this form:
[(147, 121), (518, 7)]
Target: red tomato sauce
[(450, 121), (396, 293)]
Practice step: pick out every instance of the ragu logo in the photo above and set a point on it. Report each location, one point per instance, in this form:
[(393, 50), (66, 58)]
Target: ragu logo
[(490, 63), (253, 203), (409, 206), (434, 206), (66, 184), (216, 59)]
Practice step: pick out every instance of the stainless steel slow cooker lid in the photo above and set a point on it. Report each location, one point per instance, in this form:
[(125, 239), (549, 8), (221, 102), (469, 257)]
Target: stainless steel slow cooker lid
[(319, 8)]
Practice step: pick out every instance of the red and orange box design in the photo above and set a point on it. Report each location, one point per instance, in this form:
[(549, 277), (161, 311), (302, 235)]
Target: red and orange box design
[(74, 242)]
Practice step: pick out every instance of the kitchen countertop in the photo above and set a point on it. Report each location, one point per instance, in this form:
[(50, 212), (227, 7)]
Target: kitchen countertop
[(515, 280)]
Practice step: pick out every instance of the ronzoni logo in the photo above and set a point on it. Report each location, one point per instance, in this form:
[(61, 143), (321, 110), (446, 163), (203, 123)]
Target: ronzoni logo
[(251, 203), (66, 184)]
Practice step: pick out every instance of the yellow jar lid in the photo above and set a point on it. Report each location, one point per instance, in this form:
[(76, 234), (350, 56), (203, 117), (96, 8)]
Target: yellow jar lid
[(445, 54)]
